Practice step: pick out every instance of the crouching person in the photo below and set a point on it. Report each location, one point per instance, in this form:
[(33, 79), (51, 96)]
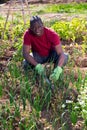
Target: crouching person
[(45, 46)]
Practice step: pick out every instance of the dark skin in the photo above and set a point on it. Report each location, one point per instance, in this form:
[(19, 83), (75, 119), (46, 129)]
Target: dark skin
[(38, 30)]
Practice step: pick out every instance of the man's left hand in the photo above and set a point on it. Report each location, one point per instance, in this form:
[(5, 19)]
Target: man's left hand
[(56, 73)]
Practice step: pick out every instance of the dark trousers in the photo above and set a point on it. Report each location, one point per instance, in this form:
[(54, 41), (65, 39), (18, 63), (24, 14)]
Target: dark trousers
[(53, 57)]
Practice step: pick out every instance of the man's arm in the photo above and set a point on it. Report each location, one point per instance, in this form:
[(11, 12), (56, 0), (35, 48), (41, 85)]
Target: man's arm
[(27, 56), (60, 52)]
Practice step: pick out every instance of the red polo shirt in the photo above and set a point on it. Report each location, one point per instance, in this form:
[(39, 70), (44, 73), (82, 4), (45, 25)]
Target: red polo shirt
[(42, 44)]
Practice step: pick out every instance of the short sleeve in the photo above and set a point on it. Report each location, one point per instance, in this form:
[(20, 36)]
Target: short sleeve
[(26, 38), (56, 40), (54, 37)]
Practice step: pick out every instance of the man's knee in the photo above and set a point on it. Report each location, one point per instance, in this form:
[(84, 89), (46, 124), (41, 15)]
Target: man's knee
[(66, 58), (26, 65)]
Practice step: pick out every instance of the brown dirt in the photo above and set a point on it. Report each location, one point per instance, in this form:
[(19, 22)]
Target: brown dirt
[(7, 56)]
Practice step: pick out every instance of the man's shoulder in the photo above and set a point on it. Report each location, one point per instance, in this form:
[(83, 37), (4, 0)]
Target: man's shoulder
[(27, 33), (50, 31)]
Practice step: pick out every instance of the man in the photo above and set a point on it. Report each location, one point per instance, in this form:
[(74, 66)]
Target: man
[(45, 46)]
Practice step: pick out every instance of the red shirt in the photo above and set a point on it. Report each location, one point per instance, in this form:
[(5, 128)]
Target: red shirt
[(42, 44)]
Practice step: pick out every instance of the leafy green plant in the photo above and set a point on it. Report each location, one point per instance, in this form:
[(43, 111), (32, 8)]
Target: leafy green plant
[(70, 30), (82, 101)]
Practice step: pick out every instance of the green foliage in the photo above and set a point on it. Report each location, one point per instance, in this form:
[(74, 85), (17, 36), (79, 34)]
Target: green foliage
[(73, 117), (68, 8), (82, 99), (60, 8), (1, 27), (72, 30)]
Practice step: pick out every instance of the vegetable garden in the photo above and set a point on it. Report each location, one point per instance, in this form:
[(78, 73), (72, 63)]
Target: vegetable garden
[(27, 102)]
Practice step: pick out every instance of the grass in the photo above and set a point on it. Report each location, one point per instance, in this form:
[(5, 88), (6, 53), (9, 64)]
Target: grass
[(20, 88), (68, 8), (77, 8)]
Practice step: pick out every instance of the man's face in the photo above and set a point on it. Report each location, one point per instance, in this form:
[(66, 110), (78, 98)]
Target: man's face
[(37, 28)]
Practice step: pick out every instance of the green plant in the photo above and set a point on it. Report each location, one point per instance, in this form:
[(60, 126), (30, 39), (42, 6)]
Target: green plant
[(67, 8), (72, 30)]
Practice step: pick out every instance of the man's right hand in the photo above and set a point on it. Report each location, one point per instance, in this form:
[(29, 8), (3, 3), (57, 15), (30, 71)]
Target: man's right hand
[(40, 69)]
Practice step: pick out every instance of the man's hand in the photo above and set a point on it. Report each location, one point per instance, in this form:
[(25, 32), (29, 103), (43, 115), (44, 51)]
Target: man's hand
[(56, 73), (39, 69)]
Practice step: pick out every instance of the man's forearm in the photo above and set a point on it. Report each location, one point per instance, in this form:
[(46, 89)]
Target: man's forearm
[(61, 60), (30, 59)]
